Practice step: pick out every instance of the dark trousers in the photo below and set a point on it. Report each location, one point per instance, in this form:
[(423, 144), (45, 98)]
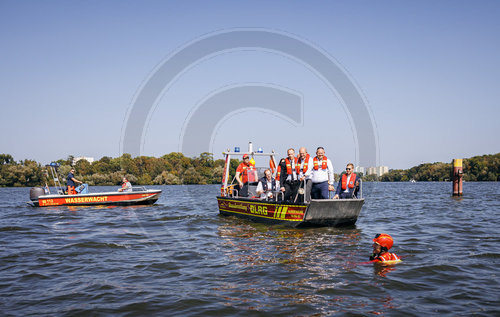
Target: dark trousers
[(319, 190), (344, 195), (307, 186), (291, 190), (308, 189), (243, 191)]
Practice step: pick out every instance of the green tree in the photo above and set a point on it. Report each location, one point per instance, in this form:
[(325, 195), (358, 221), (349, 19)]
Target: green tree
[(6, 159)]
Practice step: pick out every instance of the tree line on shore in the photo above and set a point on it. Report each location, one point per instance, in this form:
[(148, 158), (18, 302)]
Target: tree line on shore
[(177, 169), (477, 168)]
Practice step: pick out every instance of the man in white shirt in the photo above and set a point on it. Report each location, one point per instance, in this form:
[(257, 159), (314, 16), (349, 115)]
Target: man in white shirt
[(305, 167), (322, 175), (267, 185)]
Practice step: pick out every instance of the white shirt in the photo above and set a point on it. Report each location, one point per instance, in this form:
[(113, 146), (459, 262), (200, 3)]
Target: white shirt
[(323, 175), (310, 167), (127, 188), (260, 188)]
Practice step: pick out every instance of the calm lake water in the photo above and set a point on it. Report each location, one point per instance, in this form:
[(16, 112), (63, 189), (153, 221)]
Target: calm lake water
[(179, 257)]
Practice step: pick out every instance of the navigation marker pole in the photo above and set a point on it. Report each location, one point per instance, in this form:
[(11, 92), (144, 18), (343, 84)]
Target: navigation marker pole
[(457, 174)]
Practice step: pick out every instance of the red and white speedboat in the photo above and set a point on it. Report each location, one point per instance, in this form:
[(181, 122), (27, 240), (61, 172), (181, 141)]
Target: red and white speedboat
[(41, 197), (139, 196)]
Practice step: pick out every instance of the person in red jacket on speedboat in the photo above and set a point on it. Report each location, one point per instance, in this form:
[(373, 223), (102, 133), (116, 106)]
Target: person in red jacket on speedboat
[(126, 186), (382, 243)]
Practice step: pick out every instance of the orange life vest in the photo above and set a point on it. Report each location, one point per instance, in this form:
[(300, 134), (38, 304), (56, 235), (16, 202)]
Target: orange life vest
[(245, 176), (351, 181), (324, 163), (278, 172), (306, 163), (388, 257), (289, 165)]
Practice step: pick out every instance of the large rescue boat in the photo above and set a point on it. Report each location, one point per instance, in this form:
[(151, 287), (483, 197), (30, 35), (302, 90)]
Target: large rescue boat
[(317, 212), (41, 197)]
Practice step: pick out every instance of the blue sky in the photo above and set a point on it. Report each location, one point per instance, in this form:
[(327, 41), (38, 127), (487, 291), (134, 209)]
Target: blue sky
[(71, 72)]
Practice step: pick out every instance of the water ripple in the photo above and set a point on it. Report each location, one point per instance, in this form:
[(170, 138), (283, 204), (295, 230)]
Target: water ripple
[(180, 257)]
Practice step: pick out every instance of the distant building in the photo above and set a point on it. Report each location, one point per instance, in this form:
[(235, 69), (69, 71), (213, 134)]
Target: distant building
[(88, 159), (359, 169), (371, 171), (378, 170)]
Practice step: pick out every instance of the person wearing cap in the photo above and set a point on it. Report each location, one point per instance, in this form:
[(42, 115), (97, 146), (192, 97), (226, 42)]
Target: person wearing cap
[(70, 182), (382, 243), (322, 175), (348, 182), (244, 173)]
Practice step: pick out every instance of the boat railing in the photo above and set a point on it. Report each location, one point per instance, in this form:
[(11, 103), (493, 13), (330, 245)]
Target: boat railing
[(233, 193), (360, 193), (278, 194)]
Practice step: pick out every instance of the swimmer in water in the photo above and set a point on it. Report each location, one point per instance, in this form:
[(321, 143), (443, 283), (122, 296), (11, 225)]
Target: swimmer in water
[(382, 243)]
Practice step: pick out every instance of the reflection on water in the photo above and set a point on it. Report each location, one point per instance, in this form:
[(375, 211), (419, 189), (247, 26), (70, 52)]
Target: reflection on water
[(382, 270), (299, 254)]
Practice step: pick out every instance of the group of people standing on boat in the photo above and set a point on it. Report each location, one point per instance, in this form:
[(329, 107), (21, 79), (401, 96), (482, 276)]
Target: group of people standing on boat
[(300, 178)]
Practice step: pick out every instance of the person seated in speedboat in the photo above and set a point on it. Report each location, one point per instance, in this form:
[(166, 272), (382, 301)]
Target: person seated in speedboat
[(267, 185), (382, 243), (126, 186), (347, 184)]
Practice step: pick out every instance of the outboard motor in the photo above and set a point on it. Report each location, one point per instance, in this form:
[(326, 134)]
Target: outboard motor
[(36, 192)]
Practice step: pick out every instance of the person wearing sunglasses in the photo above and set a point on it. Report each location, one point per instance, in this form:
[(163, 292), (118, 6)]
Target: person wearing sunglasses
[(71, 182), (347, 184)]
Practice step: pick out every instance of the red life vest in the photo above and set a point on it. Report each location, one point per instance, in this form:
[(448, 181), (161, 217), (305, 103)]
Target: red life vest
[(388, 257), (245, 176), (324, 163), (289, 165), (306, 163), (278, 172), (351, 181), (124, 185)]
